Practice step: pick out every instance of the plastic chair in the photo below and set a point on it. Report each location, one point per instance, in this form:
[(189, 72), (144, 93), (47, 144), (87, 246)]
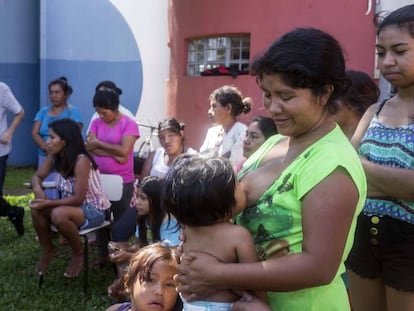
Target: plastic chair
[(112, 186)]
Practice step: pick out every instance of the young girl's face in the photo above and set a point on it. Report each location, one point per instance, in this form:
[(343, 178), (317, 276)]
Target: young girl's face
[(158, 291), (142, 204), (55, 144), (395, 49)]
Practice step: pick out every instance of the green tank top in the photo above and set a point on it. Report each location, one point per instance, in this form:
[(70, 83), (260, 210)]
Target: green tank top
[(275, 222)]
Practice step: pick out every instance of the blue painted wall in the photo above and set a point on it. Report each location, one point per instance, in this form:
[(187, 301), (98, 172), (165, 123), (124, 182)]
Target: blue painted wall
[(88, 41)]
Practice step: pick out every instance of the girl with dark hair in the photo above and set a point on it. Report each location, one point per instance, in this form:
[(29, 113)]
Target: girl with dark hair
[(82, 204), (153, 225), (226, 137), (150, 280), (59, 92), (304, 187), (202, 194), (380, 265)]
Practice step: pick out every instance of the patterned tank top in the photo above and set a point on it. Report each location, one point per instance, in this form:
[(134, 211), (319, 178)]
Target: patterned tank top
[(393, 147), (94, 194)]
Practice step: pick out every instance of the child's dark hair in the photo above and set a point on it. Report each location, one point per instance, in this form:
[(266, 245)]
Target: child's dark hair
[(69, 131), (305, 58), (361, 93), (63, 82), (402, 18), (266, 125), (228, 94), (151, 186), (142, 262), (106, 99), (199, 191)]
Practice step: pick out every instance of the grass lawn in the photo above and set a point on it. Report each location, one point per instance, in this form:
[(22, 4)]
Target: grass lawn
[(18, 256)]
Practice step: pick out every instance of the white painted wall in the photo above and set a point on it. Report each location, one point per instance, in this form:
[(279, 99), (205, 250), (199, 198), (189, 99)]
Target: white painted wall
[(149, 23)]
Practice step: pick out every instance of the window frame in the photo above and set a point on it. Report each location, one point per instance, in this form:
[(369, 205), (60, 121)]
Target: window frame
[(218, 55)]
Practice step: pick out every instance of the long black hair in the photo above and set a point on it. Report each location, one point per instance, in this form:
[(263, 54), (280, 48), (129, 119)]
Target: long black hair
[(151, 186), (69, 131)]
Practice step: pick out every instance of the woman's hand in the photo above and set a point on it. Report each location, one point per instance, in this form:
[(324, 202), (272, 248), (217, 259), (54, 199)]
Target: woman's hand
[(118, 253), (37, 203), (196, 275), (249, 302), (92, 142)]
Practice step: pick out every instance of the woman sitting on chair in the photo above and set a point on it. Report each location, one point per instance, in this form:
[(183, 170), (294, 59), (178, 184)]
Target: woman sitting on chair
[(82, 202)]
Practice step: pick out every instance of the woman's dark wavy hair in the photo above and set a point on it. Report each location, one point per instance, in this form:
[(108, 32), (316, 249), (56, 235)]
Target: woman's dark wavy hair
[(199, 191), (68, 131), (171, 124), (108, 86), (151, 186), (106, 99), (362, 92), (305, 58), (402, 18), (63, 82), (229, 94), (266, 126)]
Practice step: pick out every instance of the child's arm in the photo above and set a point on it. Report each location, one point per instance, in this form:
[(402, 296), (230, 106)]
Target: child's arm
[(246, 252)]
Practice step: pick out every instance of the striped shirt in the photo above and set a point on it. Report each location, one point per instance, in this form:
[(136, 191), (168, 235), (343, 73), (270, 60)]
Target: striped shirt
[(392, 147)]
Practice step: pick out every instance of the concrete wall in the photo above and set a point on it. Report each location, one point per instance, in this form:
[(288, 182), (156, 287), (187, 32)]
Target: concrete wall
[(265, 20)]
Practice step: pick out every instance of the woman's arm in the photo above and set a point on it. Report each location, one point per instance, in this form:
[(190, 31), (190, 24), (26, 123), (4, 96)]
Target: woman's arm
[(41, 173), (384, 181), (82, 169), (328, 211), (101, 148), (38, 140), (146, 168), (363, 125)]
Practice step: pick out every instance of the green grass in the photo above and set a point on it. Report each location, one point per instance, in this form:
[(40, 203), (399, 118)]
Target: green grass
[(19, 288)]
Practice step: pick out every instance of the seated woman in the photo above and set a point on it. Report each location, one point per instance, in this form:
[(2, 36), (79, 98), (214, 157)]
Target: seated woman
[(82, 204), (171, 136), (111, 140)]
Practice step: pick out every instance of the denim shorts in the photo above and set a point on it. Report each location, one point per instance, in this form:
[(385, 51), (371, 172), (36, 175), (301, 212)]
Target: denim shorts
[(93, 216), (384, 248)]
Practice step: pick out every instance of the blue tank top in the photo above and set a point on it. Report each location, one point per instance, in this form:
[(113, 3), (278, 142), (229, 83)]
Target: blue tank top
[(393, 147)]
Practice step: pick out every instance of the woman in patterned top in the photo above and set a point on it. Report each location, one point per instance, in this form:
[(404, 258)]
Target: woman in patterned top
[(82, 203), (380, 266)]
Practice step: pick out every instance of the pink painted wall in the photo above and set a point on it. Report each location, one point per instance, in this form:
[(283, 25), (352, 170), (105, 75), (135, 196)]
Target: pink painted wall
[(265, 20)]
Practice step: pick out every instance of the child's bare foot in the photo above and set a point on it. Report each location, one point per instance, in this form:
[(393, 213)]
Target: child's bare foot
[(44, 261), (74, 267)]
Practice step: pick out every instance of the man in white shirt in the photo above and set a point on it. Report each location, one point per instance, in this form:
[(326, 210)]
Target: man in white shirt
[(8, 103)]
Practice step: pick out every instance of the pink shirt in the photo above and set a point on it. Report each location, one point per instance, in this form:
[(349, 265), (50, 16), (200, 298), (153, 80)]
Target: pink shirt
[(113, 135)]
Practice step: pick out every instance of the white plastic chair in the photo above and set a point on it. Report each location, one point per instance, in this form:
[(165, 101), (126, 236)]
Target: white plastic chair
[(112, 186)]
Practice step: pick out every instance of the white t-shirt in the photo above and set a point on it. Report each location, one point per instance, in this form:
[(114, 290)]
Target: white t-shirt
[(228, 145), (8, 103)]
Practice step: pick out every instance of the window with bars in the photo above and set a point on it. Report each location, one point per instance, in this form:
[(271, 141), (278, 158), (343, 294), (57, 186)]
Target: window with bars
[(225, 55)]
